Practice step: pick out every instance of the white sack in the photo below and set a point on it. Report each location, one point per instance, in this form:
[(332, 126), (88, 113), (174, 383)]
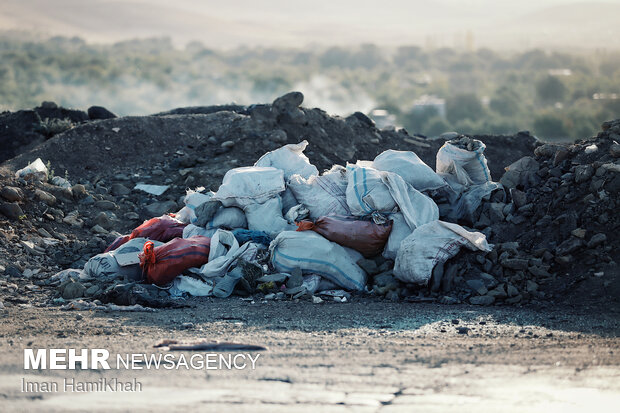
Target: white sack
[(400, 231), (288, 200), (417, 208), (191, 230), (291, 160), (454, 160), (313, 254), (366, 191), (410, 167), (432, 244), (267, 217), (249, 185), (322, 195), (192, 286)]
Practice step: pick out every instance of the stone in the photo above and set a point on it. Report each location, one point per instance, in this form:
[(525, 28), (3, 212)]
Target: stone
[(46, 197), (87, 201), (227, 144), (103, 220), (538, 271), (79, 191), (187, 326), (569, 246), (614, 150), (519, 198), (579, 233), (511, 290), (515, 263), (477, 286), (157, 209), (11, 210), (278, 136), (488, 280), (120, 190), (596, 240), (132, 215), (12, 194), (513, 300), (583, 173), (316, 300), (212, 140), (106, 205), (72, 290), (291, 100), (73, 219), (531, 286), (520, 172), (498, 292), (496, 213), (482, 300), (98, 229)]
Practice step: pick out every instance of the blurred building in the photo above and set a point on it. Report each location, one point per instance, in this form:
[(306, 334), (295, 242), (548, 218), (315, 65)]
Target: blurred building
[(425, 102)]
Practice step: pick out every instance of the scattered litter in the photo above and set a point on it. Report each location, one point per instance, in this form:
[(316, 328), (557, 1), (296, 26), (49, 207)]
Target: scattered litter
[(152, 189), (81, 305), (34, 170)]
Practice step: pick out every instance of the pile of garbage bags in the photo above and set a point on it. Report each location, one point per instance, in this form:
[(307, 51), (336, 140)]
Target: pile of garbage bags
[(283, 228)]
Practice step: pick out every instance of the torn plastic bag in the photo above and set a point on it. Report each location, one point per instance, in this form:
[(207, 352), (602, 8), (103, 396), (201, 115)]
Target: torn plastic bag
[(400, 231), (192, 230), (225, 250), (322, 195), (454, 160), (296, 214), (267, 217), (107, 265), (411, 168), (246, 235), (34, 170), (366, 191), (164, 229), (250, 185), (290, 159), (361, 235), (432, 244), (313, 254), (228, 218), (162, 264), (311, 283), (192, 286)]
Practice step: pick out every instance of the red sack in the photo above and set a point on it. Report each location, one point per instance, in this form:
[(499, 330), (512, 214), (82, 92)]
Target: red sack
[(161, 229), (162, 264), (118, 242), (363, 236)]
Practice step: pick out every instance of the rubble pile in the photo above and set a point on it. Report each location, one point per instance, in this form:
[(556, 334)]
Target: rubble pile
[(545, 229)]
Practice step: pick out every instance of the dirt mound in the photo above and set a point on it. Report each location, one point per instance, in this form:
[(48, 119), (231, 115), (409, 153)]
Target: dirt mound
[(24, 129), (49, 227)]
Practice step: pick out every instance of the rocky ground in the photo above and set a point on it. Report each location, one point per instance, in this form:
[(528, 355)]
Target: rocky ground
[(556, 252)]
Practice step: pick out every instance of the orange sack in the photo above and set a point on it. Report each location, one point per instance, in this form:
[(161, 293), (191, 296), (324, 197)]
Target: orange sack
[(162, 264), (363, 236)]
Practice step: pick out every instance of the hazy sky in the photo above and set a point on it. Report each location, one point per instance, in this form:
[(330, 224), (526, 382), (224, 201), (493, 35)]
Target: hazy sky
[(495, 23)]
